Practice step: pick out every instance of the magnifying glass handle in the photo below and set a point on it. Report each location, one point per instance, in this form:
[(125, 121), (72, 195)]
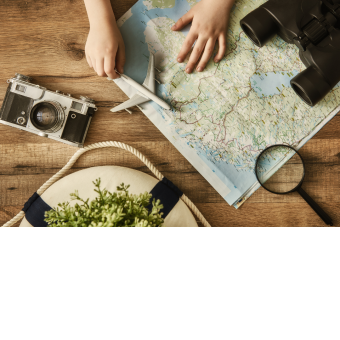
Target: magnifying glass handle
[(315, 207)]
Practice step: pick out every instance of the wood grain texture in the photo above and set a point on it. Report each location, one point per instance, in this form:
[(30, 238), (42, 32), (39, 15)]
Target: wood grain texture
[(46, 39)]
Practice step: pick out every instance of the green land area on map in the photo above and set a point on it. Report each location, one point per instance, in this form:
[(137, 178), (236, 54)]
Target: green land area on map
[(237, 107)]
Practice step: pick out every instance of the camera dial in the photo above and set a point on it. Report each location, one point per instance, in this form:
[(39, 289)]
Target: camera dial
[(87, 99), (47, 116), (22, 77), (21, 120)]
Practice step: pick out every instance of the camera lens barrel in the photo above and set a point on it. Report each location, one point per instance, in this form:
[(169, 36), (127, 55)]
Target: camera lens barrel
[(47, 116), (259, 26), (310, 86)]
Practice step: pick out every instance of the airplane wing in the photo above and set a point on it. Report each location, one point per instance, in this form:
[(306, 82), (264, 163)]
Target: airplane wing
[(133, 101), (149, 81)]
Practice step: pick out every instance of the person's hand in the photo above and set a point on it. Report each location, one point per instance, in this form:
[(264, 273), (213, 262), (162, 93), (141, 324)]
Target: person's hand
[(104, 48), (209, 24)]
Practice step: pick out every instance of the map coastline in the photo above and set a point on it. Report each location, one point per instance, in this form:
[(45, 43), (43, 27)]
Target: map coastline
[(223, 117)]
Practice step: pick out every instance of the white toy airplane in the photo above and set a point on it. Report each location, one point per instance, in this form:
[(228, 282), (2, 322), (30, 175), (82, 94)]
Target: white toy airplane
[(147, 90)]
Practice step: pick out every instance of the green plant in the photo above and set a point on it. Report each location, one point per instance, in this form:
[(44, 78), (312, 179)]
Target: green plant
[(117, 209)]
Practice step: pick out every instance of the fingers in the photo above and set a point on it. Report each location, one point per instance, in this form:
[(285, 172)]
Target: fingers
[(183, 21), (186, 47), (100, 67), (105, 66), (109, 67), (93, 61), (190, 39), (203, 51), (208, 51), (196, 54), (222, 46), (120, 58), (89, 60)]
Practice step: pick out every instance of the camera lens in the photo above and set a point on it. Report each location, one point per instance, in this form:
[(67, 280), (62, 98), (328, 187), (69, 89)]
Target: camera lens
[(47, 116)]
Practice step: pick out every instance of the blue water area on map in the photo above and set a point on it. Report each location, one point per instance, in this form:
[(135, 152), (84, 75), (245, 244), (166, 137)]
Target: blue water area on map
[(137, 58), (271, 83), (136, 67), (137, 63), (245, 177)]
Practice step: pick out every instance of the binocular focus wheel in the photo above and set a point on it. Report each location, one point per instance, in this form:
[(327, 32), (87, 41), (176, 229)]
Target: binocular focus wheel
[(310, 86), (259, 26)]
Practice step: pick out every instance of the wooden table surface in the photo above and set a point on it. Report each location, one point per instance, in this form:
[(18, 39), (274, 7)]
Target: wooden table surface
[(46, 39)]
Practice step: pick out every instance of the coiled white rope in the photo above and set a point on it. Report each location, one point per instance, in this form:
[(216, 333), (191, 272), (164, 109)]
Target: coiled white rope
[(123, 146)]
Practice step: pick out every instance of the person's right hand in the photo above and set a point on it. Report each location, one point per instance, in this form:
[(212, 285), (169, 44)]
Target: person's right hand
[(105, 49), (210, 20)]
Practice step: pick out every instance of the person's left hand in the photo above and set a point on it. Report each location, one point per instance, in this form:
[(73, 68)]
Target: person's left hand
[(209, 24)]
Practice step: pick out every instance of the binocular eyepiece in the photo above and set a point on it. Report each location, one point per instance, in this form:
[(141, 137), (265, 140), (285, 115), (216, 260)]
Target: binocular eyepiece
[(312, 26)]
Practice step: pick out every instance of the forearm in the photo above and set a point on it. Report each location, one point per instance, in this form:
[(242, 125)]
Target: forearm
[(99, 11), (104, 47), (223, 4)]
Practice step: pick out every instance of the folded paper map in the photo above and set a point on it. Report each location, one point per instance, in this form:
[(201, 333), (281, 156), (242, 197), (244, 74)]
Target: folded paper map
[(224, 117)]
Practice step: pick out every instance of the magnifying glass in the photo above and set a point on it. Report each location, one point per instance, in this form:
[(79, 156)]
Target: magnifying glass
[(280, 169)]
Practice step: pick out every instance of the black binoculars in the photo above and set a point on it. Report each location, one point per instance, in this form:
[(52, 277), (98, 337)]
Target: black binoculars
[(313, 26)]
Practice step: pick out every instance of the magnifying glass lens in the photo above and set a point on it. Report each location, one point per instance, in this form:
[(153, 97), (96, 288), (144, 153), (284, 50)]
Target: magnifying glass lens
[(280, 169)]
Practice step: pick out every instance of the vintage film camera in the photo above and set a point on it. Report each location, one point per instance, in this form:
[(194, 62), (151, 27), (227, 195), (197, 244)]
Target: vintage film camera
[(314, 27), (49, 114)]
